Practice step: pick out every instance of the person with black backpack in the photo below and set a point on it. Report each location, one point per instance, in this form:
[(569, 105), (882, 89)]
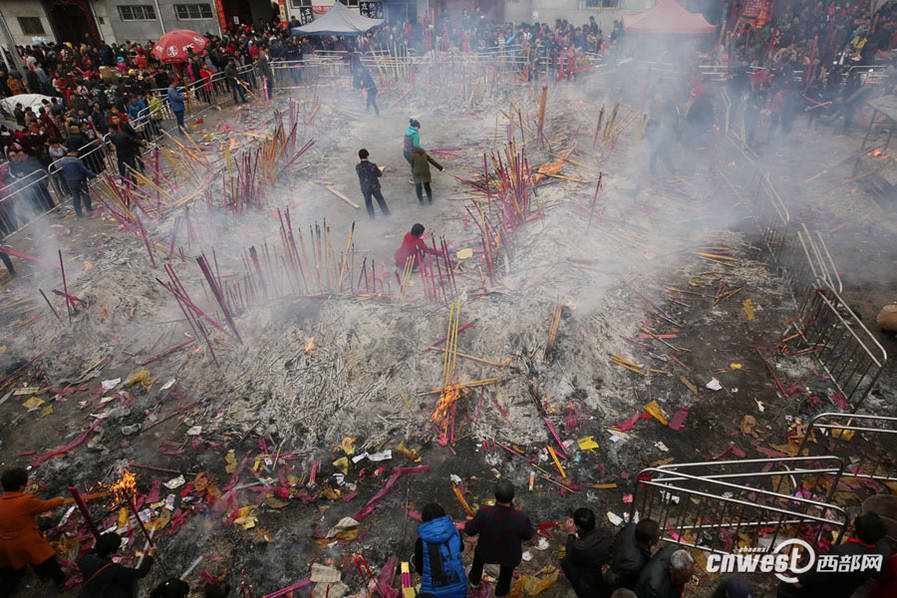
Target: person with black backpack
[(437, 555)]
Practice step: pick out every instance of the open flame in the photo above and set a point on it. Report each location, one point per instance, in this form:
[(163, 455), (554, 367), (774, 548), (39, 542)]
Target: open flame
[(125, 489), (447, 399)]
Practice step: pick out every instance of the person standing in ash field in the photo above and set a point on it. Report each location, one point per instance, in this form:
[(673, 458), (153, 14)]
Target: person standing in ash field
[(420, 173), (21, 544), (412, 140), (502, 529), (437, 555), (364, 81), (369, 178)]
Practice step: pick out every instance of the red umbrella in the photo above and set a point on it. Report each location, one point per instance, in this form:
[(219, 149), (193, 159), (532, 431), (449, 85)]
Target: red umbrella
[(172, 47)]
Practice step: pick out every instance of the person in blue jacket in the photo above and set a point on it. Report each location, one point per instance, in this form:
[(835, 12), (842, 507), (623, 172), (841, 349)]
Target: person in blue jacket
[(76, 174), (412, 140), (176, 99), (437, 555), (136, 107)]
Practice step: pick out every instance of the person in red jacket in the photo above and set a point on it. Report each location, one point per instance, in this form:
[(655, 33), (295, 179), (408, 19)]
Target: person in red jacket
[(413, 245), (21, 543)]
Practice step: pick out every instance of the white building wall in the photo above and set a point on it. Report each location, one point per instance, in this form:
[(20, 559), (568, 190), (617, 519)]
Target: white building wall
[(574, 11), (13, 9)]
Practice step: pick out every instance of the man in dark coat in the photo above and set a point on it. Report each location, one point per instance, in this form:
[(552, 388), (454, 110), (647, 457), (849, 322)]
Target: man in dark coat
[(127, 147), (364, 80), (666, 574), (867, 547), (502, 530), (76, 139), (104, 578), (587, 551), (369, 178), (630, 552)]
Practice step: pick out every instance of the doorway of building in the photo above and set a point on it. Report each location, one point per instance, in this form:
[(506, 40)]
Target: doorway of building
[(72, 21)]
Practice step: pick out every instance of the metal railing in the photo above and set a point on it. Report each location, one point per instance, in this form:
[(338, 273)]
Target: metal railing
[(755, 503), (841, 343), (869, 442), (778, 218)]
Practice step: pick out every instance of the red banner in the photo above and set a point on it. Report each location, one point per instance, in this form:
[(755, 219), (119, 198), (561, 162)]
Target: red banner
[(222, 20)]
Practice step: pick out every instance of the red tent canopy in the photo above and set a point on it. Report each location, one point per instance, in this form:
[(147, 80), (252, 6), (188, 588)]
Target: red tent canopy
[(667, 18)]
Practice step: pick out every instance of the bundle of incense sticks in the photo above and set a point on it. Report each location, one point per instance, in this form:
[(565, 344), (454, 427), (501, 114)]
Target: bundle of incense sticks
[(195, 317)]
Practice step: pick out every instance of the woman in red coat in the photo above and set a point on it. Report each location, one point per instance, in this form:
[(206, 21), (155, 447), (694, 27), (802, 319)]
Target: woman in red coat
[(21, 543)]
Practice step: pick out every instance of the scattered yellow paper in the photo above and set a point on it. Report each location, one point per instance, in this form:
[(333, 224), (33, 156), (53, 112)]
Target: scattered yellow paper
[(200, 482), (275, 503), (691, 387), (33, 403), (47, 410), (142, 378), (342, 464), (231, 462), (748, 308), (246, 517), (464, 254), (661, 462), (654, 409), (587, 444), (843, 434), (123, 515), (348, 445), (28, 390), (735, 366)]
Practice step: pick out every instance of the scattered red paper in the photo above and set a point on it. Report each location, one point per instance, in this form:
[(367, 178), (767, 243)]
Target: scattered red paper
[(396, 474), (677, 422), (623, 427)]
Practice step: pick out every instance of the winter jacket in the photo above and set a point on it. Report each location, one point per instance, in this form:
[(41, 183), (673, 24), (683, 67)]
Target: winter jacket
[(106, 579), (136, 109), (588, 553), (176, 99), (368, 175), (411, 245), (654, 581), (73, 170), (626, 559), (420, 165), (20, 542), (412, 139), (126, 141), (437, 557), (501, 530)]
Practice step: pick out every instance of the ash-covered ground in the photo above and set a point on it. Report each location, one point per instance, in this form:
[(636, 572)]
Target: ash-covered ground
[(318, 379)]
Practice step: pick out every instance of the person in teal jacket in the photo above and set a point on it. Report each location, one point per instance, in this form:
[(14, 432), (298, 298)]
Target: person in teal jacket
[(437, 555), (412, 140)]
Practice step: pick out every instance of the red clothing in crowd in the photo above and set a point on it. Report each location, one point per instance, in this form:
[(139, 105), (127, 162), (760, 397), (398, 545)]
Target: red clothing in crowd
[(411, 245)]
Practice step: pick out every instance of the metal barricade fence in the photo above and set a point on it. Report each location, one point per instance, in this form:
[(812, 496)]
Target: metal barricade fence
[(24, 199), (868, 443), (778, 218), (841, 343), (803, 260), (752, 503)]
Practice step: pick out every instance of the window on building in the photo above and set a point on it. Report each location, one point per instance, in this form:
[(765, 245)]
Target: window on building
[(31, 26), (602, 3), (299, 3), (136, 12), (350, 2), (186, 12)]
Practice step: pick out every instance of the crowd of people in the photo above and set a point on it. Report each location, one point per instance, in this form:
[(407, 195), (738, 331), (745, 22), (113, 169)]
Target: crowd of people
[(599, 562)]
